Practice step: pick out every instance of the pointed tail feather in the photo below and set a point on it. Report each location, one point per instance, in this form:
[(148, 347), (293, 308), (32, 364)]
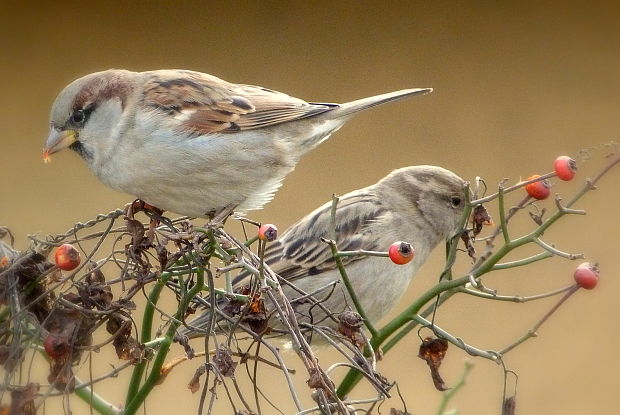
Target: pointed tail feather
[(350, 108)]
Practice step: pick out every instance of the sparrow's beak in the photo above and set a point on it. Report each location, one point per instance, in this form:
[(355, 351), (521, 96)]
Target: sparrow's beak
[(58, 140)]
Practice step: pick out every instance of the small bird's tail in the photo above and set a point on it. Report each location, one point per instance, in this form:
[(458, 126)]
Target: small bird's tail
[(335, 115), (350, 108)]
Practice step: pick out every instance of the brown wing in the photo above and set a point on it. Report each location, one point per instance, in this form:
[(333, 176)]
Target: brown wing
[(203, 104), (300, 251)]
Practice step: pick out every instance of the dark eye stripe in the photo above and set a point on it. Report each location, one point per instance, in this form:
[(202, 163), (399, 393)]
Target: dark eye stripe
[(79, 117)]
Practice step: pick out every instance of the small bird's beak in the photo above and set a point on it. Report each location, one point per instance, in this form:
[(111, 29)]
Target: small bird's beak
[(58, 140)]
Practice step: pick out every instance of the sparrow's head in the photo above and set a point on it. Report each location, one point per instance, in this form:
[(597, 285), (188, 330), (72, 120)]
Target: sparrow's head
[(434, 196), (85, 112)]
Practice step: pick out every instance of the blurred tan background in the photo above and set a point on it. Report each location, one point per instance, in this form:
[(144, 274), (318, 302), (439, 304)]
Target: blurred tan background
[(515, 86)]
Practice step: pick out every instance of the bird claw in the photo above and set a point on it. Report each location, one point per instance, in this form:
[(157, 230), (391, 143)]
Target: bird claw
[(219, 217)]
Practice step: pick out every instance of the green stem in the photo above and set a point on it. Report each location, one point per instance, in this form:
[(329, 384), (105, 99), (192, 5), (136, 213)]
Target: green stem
[(250, 241), (521, 262), (135, 401), (413, 324), (145, 335), (347, 283), (96, 402), (449, 394), (502, 214), (354, 376)]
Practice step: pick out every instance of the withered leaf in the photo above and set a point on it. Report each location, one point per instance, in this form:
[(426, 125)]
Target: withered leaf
[(95, 295), (223, 360), (349, 325), (74, 326), (123, 304), (25, 273), (22, 400), (95, 277), (61, 374), (128, 348), (510, 405), (538, 217), (189, 350), (194, 383), (468, 241), (433, 350), (315, 379), (479, 218), (4, 353), (136, 230), (253, 312), (394, 411)]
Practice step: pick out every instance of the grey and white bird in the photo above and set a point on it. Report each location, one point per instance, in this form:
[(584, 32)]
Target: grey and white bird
[(189, 142), (419, 204)]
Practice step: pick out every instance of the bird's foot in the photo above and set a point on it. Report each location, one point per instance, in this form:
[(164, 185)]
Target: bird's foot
[(218, 218)]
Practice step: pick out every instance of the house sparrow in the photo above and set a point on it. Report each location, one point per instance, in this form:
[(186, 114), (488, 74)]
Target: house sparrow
[(190, 142), (420, 204)]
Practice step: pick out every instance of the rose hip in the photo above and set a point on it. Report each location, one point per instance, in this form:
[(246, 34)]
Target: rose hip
[(401, 252), (67, 257)]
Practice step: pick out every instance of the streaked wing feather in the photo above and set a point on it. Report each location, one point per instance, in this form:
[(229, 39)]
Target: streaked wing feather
[(300, 251), (203, 104)]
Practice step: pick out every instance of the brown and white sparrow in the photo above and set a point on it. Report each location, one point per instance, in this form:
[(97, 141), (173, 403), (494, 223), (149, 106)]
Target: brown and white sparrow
[(419, 204), (190, 142)]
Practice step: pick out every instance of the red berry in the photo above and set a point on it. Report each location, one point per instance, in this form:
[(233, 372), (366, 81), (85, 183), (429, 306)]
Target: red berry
[(565, 167), (538, 190), (268, 232), (67, 257), (401, 252), (55, 346), (586, 275)]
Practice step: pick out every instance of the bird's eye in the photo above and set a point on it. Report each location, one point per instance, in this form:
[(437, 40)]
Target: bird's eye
[(455, 201), (78, 117)]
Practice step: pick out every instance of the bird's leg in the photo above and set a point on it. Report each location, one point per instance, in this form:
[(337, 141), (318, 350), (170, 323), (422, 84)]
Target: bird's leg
[(218, 217)]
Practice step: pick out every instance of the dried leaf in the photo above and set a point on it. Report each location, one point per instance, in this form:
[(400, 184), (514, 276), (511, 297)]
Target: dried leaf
[(468, 241), (538, 217), (26, 273), (127, 348), (4, 353), (253, 312), (433, 350), (71, 329), (61, 374), (223, 360), (136, 230), (479, 218), (350, 324), (394, 411), (315, 379), (194, 383), (22, 400), (510, 405)]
